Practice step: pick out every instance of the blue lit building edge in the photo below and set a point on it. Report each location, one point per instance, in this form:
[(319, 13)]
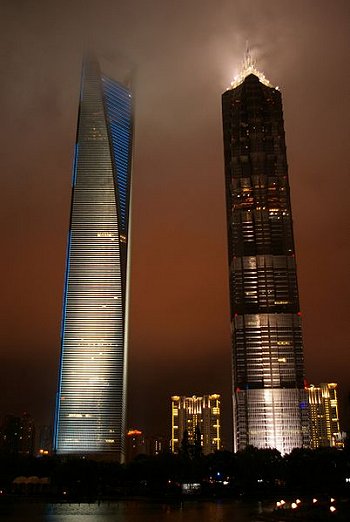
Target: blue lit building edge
[(117, 109)]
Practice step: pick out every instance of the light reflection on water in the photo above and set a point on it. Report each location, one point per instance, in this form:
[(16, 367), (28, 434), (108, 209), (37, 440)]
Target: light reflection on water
[(131, 511)]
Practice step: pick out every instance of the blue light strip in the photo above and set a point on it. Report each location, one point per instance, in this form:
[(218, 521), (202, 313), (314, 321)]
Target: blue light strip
[(65, 293)]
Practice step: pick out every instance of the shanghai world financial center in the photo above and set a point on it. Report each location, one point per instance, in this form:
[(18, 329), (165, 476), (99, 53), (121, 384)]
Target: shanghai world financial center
[(270, 405), (91, 399)]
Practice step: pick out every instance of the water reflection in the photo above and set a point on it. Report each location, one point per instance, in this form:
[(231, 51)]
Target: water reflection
[(138, 511), (131, 511)]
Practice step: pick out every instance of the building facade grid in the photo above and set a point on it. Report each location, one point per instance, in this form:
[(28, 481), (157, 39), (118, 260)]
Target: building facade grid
[(90, 410), (269, 399)]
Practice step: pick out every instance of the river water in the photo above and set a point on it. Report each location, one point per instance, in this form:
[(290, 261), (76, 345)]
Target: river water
[(131, 511)]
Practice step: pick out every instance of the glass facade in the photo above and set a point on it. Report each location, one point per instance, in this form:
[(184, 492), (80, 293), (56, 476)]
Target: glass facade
[(269, 399), (91, 399)]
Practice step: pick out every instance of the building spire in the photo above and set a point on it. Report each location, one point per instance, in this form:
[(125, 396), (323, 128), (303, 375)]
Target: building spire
[(248, 60), (249, 67)]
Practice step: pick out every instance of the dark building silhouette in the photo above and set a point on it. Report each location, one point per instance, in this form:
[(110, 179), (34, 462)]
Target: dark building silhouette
[(17, 435), (135, 444), (156, 444), (10, 433), (44, 440), (91, 399), (269, 401)]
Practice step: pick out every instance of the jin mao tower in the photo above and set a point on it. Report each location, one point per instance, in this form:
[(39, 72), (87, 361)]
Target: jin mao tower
[(91, 398), (269, 401)]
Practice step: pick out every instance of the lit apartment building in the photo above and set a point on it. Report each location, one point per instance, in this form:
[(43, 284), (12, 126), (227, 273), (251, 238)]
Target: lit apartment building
[(199, 415), (324, 417)]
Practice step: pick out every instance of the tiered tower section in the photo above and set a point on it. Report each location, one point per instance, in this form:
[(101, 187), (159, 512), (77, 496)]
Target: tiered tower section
[(270, 403)]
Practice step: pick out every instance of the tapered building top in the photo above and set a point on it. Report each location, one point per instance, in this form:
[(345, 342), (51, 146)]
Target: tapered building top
[(249, 67), (91, 398)]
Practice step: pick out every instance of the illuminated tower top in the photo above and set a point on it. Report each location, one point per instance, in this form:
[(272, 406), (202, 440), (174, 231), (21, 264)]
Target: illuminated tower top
[(249, 67)]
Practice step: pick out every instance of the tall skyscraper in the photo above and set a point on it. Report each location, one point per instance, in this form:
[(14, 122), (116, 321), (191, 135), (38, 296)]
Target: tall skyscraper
[(325, 429), (269, 401), (197, 416), (91, 399)]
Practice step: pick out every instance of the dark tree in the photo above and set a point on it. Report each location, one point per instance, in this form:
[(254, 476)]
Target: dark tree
[(197, 442), (185, 444)]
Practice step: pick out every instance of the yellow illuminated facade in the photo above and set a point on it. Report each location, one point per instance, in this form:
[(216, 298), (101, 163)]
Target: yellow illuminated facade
[(324, 416), (190, 413)]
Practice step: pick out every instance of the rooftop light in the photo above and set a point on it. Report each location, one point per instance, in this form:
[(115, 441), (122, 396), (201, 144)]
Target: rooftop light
[(249, 67)]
